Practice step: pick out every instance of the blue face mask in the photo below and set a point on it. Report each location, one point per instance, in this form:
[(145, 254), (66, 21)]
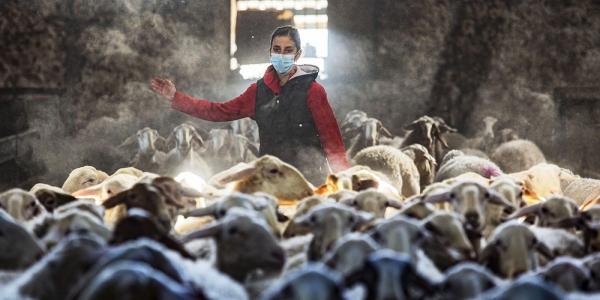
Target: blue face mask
[(282, 62)]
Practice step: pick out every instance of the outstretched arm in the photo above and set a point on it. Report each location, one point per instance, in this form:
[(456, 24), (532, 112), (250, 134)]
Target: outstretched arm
[(327, 127), (239, 107)]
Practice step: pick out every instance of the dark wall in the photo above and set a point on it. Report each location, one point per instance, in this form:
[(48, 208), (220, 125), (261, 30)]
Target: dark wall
[(76, 71)]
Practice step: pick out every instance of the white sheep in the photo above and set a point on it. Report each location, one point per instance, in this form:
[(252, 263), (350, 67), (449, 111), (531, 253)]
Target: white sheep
[(517, 156), (456, 163), (512, 250), (266, 174), (399, 167), (23, 206), (83, 177)]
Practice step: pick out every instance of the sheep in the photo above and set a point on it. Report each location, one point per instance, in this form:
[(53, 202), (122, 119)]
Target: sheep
[(55, 227), (136, 280), (21, 205), (512, 250), (559, 241), (367, 135), (456, 163), (351, 123), (83, 177), (372, 201), (42, 186), (390, 275), (186, 144), (592, 263), (263, 204), (314, 281), (447, 243), (94, 210), (543, 180), (162, 198), (358, 178), (349, 253), (150, 155), (550, 212), (484, 140), (266, 174), (293, 227), (512, 193), (466, 281), (424, 162), (225, 149), (567, 273), (109, 188), (470, 199), (246, 127), (416, 209), (400, 234), (585, 191), (137, 224), (526, 287), (52, 199), (130, 171), (588, 221), (54, 275), (245, 244), (429, 132), (329, 222), (399, 167), (18, 248), (517, 156)]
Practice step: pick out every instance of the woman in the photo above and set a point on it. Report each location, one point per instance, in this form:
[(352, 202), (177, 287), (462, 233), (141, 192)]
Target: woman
[(295, 121)]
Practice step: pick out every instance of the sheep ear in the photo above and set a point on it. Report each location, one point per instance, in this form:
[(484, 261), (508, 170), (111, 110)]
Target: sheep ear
[(488, 257), (120, 198), (190, 192), (497, 199), (576, 222), (412, 126), (197, 137), (437, 198), (281, 217), (210, 231), (51, 200), (544, 250), (161, 144), (92, 191), (385, 132), (359, 185), (238, 175), (170, 142), (394, 203), (171, 243), (525, 211), (200, 212), (128, 142)]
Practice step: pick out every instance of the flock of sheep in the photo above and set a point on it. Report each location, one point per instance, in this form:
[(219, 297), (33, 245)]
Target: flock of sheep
[(430, 215)]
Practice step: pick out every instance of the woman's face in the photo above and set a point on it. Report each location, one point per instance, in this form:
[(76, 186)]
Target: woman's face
[(284, 45)]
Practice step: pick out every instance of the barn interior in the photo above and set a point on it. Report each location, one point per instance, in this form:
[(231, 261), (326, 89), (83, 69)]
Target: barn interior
[(74, 74)]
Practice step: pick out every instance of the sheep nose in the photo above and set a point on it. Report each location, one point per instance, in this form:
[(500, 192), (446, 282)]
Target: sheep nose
[(472, 218)]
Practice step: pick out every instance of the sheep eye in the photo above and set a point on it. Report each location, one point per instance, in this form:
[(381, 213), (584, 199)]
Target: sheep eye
[(487, 194), (351, 219), (273, 171), (313, 219), (222, 212), (354, 203), (545, 210), (452, 195), (520, 194), (233, 230)]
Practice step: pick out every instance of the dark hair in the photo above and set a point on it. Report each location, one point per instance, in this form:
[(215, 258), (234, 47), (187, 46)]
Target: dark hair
[(287, 30)]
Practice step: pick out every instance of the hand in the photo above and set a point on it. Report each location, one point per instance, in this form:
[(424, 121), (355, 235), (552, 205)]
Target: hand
[(163, 87)]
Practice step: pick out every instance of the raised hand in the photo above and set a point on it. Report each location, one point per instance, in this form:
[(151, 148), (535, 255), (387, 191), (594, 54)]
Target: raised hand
[(163, 87)]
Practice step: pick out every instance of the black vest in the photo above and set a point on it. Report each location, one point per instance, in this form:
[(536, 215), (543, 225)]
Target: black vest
[(287, 129)]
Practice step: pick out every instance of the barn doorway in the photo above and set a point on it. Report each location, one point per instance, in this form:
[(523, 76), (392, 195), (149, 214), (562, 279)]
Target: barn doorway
[(252, 22)]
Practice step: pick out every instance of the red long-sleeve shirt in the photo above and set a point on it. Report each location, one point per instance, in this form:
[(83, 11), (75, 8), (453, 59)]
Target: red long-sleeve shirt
[(243, 106)]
